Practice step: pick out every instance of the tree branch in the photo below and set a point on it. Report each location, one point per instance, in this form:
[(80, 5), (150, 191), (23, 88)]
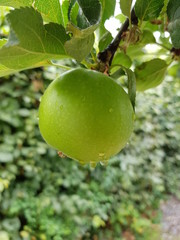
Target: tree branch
[(106, 56)]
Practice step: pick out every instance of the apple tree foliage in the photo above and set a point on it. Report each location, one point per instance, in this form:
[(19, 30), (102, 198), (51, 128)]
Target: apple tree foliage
[(43, 32)]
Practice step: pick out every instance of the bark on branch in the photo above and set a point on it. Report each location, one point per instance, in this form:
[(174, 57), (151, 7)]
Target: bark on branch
[(107, 55)]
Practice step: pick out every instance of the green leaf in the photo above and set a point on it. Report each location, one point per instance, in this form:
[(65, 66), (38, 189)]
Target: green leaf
[(150, 74), (79, 48), (117, 74), (3, 42), (147, 37), (148, 9), (121, 18), (149, 26), (174, 71), (126, 7), (16, 3), (73, 13), (87, 13), (65, 6), (122, 70), (52, 11), (6, 157), (6, 71), (4, 235), (98, 222), (131, 85), (173, 12), (30, 42), (105, 41), (108, 8), (84, 18), (164, 9), (135, 52), (119, 60)]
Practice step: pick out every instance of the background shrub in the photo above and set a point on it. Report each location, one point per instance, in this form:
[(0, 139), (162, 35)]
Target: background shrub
[(45, 197)]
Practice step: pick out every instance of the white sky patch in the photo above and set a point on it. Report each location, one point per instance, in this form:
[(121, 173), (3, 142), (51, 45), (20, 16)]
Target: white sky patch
[(157, 35), (117, 9), (112, 24), (152, 48), (166, 34)]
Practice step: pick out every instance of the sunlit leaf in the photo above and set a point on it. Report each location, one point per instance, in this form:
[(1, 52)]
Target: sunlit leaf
[(150, 74), (31, 43), (148, 9), (173, 11)]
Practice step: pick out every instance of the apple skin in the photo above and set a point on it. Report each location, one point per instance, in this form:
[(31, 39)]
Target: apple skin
[(86, 115)]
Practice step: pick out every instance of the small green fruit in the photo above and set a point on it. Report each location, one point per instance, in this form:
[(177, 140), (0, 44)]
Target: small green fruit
[(86, 115)]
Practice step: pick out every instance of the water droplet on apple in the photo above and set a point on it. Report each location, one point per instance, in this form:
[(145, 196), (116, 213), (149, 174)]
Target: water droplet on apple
[(82, 163), (104, 163), (93, 164), (101, 155)]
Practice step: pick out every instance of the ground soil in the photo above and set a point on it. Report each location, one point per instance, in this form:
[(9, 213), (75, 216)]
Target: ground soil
[(170, 225)]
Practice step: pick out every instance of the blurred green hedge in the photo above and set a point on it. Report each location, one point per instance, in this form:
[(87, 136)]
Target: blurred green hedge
[(45, 197)]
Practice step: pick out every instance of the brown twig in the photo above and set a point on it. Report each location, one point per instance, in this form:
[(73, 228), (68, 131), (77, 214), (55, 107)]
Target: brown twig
[(105, 57)]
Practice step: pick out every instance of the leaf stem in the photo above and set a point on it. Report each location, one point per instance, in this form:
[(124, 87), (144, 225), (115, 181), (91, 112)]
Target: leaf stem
[(163, 46), (115, 65), (59, 66)]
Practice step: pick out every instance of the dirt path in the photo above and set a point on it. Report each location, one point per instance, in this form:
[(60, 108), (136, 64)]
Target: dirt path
[(171, 219)]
